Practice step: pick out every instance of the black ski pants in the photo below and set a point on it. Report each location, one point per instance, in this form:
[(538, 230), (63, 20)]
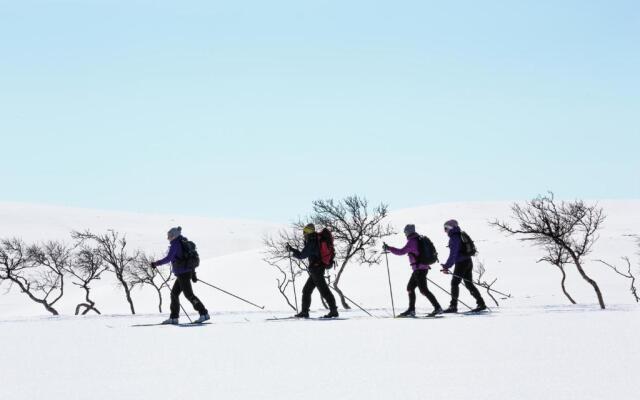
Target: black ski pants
[(317, 280), (183, 285), (419, 280), (464, 271)]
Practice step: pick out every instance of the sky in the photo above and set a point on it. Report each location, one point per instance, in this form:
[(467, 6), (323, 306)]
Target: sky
[(253, 109)]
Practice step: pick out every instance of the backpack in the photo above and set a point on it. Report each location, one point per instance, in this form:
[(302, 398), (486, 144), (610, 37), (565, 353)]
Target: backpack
[(468, 247), (327, 249), (190, 258), (427, 253)]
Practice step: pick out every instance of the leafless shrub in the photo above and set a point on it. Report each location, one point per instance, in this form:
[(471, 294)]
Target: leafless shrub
[(87, 266), (480, 271), (629, 275), (558, 256), (573, 226), (290, 268), (111, 248), (142, 274), (38, 270)]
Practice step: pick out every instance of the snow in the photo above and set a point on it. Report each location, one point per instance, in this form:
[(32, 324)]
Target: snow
[(534, 346)]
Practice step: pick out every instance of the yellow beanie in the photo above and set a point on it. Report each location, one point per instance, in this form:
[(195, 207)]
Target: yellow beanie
[(310, 228)]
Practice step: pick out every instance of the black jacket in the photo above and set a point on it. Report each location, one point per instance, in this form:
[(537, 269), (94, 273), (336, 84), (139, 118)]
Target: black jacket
[(311, 251)]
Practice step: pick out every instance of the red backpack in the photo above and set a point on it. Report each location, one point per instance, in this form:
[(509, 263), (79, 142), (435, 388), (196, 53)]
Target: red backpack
[(327, 250)]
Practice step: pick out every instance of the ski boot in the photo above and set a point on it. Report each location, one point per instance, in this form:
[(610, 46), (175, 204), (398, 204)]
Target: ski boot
[(204, 317), (332, 314), (451, 310), (407, 314), (171, 321), (435, 312), (302, 314), (480, 308)]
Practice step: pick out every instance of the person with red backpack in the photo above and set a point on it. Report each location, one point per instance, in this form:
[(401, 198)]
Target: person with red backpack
[(318, 248), (422, 254)]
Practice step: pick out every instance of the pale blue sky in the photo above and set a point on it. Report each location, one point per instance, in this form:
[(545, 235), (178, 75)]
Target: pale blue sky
[(255, 108)]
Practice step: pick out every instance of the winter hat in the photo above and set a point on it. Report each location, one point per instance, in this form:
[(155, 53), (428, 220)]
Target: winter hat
[(452, 223), (409, 229), (175, 232), (309, 228)]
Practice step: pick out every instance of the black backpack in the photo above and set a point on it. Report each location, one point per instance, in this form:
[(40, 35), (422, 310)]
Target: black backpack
[(190, 258), (427, 253), (468, 247)]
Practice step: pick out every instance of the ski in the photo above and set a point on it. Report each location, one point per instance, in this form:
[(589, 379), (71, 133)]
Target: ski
[(191, 324), (483, 312), (421, 317), (305, 319), (186, 324)]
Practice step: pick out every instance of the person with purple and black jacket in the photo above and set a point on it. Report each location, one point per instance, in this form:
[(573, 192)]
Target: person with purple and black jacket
[(419, 276), (463, 269), (184, 276)]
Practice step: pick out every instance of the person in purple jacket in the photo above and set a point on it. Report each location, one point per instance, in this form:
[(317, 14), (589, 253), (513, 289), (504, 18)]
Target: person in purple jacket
[(463, 269), (419, 276), (184, 276)]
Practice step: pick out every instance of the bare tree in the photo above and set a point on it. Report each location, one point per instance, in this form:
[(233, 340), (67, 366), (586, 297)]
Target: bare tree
[(290, 268), (480, 271), (572, 225), (87, 266), (142, 274), (356, 229), (37, 271), (629, 275), (558, 256), (111, 247)]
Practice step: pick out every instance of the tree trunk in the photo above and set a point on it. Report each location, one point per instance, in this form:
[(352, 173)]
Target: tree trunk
[(160, 299), (584, 275), (26, 291), (562, 283), (89, 305), (345, 305), (127, 292)]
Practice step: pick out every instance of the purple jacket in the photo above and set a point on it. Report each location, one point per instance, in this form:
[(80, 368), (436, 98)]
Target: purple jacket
[(175, 252), (412, 248), (455, 244)]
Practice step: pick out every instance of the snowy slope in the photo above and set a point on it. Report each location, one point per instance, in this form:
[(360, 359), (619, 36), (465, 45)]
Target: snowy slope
[(535, 346)]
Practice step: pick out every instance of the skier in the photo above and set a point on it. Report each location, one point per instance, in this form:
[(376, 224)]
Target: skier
[(419, 276), (184, 276), (463, 269), (311, 251)]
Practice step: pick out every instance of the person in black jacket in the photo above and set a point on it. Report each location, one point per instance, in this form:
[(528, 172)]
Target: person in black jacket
[(316, 269)]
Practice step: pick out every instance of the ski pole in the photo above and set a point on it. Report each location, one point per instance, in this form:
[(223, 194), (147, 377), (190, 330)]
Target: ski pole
[(165, 284), (441, 288), (483, 286), (393, 307), (293, 280), (355, 304), (231, 294)]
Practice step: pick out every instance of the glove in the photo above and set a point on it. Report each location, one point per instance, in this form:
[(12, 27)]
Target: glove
[(445, 270), (194, 277), (385, 247), (289, 248), (153, 264)]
